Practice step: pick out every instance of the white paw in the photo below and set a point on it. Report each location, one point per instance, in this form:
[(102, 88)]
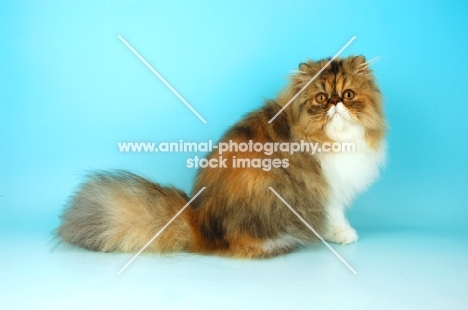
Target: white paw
[(344, 234)]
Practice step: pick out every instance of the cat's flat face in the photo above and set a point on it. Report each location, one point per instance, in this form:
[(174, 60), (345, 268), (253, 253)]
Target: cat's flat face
[(343, 96)]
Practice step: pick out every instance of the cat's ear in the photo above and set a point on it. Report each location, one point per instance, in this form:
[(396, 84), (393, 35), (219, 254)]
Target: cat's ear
[(304, 67), (360, 64)]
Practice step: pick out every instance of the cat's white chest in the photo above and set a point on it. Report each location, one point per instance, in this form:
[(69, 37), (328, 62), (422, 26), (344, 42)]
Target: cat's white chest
[(351, 172)]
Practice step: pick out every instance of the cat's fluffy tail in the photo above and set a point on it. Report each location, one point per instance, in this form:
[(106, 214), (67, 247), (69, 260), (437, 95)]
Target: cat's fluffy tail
[(120, 211)]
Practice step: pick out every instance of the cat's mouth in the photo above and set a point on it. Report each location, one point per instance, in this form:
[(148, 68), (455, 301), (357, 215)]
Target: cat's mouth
[(338, 111), (340, 122)]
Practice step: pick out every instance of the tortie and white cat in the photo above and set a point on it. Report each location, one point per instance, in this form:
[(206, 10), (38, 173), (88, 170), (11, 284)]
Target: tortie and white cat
[(237, 215)]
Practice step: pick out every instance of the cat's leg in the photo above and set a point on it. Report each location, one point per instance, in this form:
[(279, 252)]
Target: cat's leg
[(244, 246), (338, 228)]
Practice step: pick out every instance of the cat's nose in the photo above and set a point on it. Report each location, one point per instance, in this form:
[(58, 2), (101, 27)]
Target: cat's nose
[(334, 100)]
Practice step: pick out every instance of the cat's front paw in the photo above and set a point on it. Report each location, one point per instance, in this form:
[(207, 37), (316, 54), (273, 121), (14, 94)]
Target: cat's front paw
[(341, 234)]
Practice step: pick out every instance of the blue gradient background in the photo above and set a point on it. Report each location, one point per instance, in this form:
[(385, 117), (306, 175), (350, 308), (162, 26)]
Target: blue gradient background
[(70, 90)]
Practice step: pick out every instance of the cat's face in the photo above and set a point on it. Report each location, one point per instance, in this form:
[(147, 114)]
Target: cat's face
[(341, 97)]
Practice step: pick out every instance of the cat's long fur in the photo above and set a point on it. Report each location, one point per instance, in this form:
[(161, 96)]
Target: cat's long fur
[(237, 215)]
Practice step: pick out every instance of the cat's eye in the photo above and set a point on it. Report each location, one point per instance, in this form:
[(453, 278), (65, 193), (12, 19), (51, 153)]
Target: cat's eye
[(348, 94), (321, 98)]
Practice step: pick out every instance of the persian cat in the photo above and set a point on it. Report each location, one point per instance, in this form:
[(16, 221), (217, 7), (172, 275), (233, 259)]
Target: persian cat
[(237, 214)]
